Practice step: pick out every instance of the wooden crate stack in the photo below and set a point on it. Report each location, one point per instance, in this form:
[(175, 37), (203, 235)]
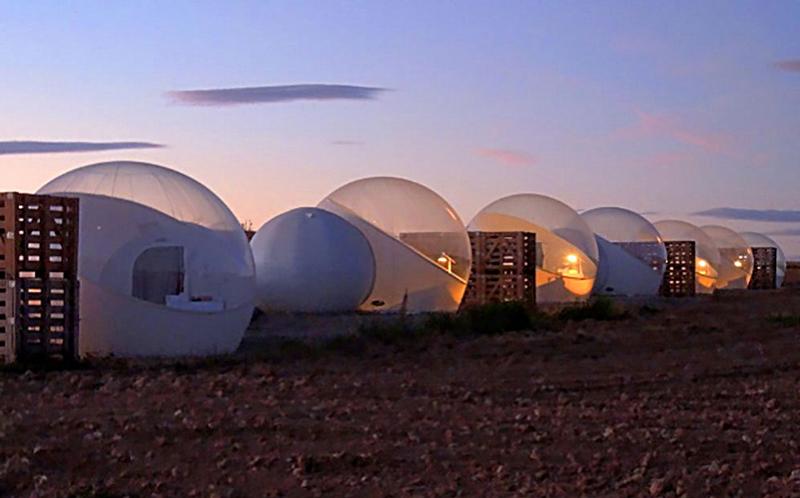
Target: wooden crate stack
[(764, 268), (503, 268), (679, 277), (38, 277)]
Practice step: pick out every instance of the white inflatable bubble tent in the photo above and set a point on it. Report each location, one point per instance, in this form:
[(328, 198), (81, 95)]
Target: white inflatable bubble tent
[(707, 257), (310, 260), (421, 248), (567, 254), (736, 257), (632, 254), (165, 268), (755, 239)]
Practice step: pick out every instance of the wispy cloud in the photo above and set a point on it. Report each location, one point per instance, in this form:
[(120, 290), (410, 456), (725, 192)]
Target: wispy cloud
[(788, 232), (792, 65), (667, 159), (769, 215), (508, 157), (37, 147), (347, 142), (655, 125), (273, 94)]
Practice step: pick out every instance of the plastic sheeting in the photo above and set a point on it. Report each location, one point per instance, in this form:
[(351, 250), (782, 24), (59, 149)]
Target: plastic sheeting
[(632, 254), (755, 239), (113, 323), (311, 260), (218, 270), (736, 257), (707, 257), (157, 187), (421, 248), (567, 253)]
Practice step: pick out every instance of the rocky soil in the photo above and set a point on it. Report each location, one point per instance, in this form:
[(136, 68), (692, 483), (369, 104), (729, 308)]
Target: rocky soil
[(696, 398)]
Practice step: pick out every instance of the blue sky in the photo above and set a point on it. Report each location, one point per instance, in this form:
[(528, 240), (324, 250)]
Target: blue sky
[(671, 108)]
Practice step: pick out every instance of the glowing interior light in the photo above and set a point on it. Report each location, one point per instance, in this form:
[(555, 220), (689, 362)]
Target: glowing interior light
[(572, 268), (446, 261), (702, 263), (737, 264)]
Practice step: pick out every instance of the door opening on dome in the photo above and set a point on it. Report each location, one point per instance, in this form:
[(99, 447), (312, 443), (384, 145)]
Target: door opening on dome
[(158, 272)]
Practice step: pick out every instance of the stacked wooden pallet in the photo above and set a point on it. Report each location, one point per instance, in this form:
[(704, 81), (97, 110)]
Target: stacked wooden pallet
[(503, 268), (764, 268), (38, 277), (679, 277)]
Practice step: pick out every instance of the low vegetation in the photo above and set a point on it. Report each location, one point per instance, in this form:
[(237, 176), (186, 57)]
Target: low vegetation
[(786, 320), (402, 331), (490, 319), (599, 308), (486, 320)]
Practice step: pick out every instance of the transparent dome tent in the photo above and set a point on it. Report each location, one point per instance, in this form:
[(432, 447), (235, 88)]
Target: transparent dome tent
[(632, 254), (736, 257), (707, 258), (421, 248), (311, 260), (164, 266), (755, 239), (566, 250)]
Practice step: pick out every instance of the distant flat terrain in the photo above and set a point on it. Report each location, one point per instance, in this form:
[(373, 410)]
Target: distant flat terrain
[(683, 398)]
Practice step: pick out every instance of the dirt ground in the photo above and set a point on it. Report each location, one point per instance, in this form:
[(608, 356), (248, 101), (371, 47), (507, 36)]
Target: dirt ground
[(697, 398)]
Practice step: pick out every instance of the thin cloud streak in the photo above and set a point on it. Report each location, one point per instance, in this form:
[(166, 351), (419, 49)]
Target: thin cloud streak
[(789, 232), (667, 159), (508, 157), (654, 125), (347, 142), (792, 65), (38, 147), (273, 94), (768, 215)]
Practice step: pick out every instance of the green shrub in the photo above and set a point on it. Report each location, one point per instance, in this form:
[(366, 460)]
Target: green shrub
[(489, 319), (784, 320), (599, 308)]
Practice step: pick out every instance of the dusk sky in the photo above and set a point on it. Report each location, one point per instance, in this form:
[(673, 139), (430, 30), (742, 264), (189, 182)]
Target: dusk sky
[(666, 108)]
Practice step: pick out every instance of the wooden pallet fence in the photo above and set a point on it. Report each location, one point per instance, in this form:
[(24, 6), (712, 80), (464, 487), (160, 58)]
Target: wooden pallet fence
[(679, 275), (765, 263), (503, 268), (38, 277)]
